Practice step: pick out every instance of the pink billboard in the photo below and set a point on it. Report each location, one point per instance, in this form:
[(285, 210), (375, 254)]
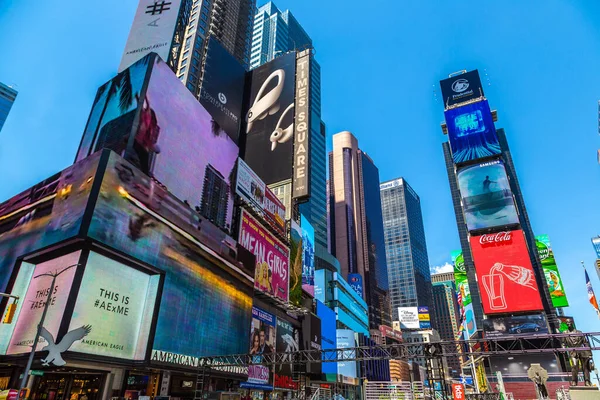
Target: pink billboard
[(272, 256)]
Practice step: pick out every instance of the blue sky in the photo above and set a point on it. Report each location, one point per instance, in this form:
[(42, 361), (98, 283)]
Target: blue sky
[(381, 63)]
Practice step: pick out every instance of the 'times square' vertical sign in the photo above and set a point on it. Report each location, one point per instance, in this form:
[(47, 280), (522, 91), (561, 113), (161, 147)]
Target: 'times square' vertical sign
[(301, 181)]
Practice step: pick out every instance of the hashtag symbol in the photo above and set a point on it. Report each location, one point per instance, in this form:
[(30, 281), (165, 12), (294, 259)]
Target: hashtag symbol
[(158, 8), (97, 303)]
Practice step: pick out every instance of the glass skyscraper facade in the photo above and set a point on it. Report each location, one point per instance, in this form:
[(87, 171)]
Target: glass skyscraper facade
[(445, 313), (275, 33), (405, 246), (7, 98)]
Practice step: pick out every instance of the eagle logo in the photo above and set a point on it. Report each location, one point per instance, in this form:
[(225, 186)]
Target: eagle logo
[(56, 349)]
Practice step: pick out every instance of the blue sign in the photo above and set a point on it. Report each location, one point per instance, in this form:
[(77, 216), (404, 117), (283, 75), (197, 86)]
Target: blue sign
[(345, 340), (356, 282), (328, 336)]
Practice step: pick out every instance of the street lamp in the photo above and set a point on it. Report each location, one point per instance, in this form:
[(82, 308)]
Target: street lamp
[(41, 324)]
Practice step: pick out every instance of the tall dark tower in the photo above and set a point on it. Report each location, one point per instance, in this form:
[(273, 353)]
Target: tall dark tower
[(214, 197)]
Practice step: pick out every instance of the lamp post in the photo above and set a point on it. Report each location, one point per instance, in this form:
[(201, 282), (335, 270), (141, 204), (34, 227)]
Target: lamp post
[(41, 324)]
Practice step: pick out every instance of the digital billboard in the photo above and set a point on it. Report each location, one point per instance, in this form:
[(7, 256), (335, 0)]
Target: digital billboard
[(555, 285), (408, 317), (272, 256), (308, 256), (515, 325), (486, 196), (302, 125), (270, 119), (347, 369), (311, 340), (505, 276), (22, 331), (328, 336), (152, 29), (596, 244), (262, 341), (462, 286), (296, 252), (255, 193), (461, 88), (424, 318), (136, 216), (118, 302), (356, 282), (223, 88), (47, 213), (471, 132), (288, 340)]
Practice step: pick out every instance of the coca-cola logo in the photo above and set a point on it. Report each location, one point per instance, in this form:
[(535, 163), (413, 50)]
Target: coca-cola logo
[(492, 238)]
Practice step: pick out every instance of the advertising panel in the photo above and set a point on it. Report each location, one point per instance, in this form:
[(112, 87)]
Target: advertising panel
[(262, 341), (274, 211), (461, 88), (272, 275), (301, 180), (555, 285), (424, 318), (505, 276), (486, 196), (174, 128), (408, 317), (564, 323), (458, 391), (32, 305), (152, 30), (308, 256), (223, 88), (471, 132), (470, 324), (356, 282), (136, 216), (117, 302), (296, 263), (596, 244), (270, 119), (328, 336), (389, 332), (288, 340), (114, 111), (311, 340), (346, 340), (515, 325), (47, 213), (462, 287)]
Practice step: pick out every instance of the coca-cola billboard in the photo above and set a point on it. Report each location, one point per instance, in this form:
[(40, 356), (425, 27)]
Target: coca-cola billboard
[(504, 273)]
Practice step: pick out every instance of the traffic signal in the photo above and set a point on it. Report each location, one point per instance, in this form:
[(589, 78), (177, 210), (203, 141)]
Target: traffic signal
[(10, 313)]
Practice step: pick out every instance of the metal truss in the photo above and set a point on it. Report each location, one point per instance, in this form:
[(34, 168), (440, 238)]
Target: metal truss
[(507, 345)]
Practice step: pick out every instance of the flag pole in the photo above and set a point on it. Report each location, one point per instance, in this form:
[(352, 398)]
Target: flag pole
[(590, 290)]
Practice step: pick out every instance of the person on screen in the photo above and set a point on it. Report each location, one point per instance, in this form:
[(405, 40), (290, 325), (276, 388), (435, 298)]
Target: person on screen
[(255, 342), (264, 346), (486, 185), (146, 139)]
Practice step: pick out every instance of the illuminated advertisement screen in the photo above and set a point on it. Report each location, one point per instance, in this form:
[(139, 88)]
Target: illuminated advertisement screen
[(270, 119), (117, 302), (462, 287), (504, 273), (408, 317), (47, 213), (272, 275), (346, 340), (471, 132), (486, 196), (515, 325), (328, 335), (555, 285), (424, 318), (288, 340), (295, 263), (308, 256), (311, 340), (356, 282), (461, 88), (262, 341), (31, 307), (136, 216)]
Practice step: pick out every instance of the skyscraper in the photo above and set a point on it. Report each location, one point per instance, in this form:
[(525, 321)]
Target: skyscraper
[(215, 199), (405, 246), (7, 98), (446, 314), (357, 238), (275, 33)]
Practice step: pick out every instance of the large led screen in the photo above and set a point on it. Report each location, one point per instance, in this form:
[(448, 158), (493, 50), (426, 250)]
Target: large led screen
[(29, 313), (47, 213), (462, 287), (295, 263), (270, 119), (515, 325), (486, 196), (272, 274), (288, 341), (328, 337), (505, 276), (555, 285), (311, 340), (117, 302), (308, 256), (461, 88), (471, 132), (346, 340), (262, 341), (136, 216)]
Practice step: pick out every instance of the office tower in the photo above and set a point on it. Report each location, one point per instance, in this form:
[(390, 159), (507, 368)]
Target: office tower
[(357, 238), (7, 98), (215, 198), (275, 33), (442, 277), (446, 314), (405, 246)]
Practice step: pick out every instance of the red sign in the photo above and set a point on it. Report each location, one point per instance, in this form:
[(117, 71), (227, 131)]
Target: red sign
[(504, 273), (274, 211), (388, 331), (458, 391)]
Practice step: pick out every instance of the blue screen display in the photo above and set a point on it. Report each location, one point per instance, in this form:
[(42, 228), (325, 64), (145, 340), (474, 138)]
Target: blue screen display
[(471, 132), (328, 335)]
